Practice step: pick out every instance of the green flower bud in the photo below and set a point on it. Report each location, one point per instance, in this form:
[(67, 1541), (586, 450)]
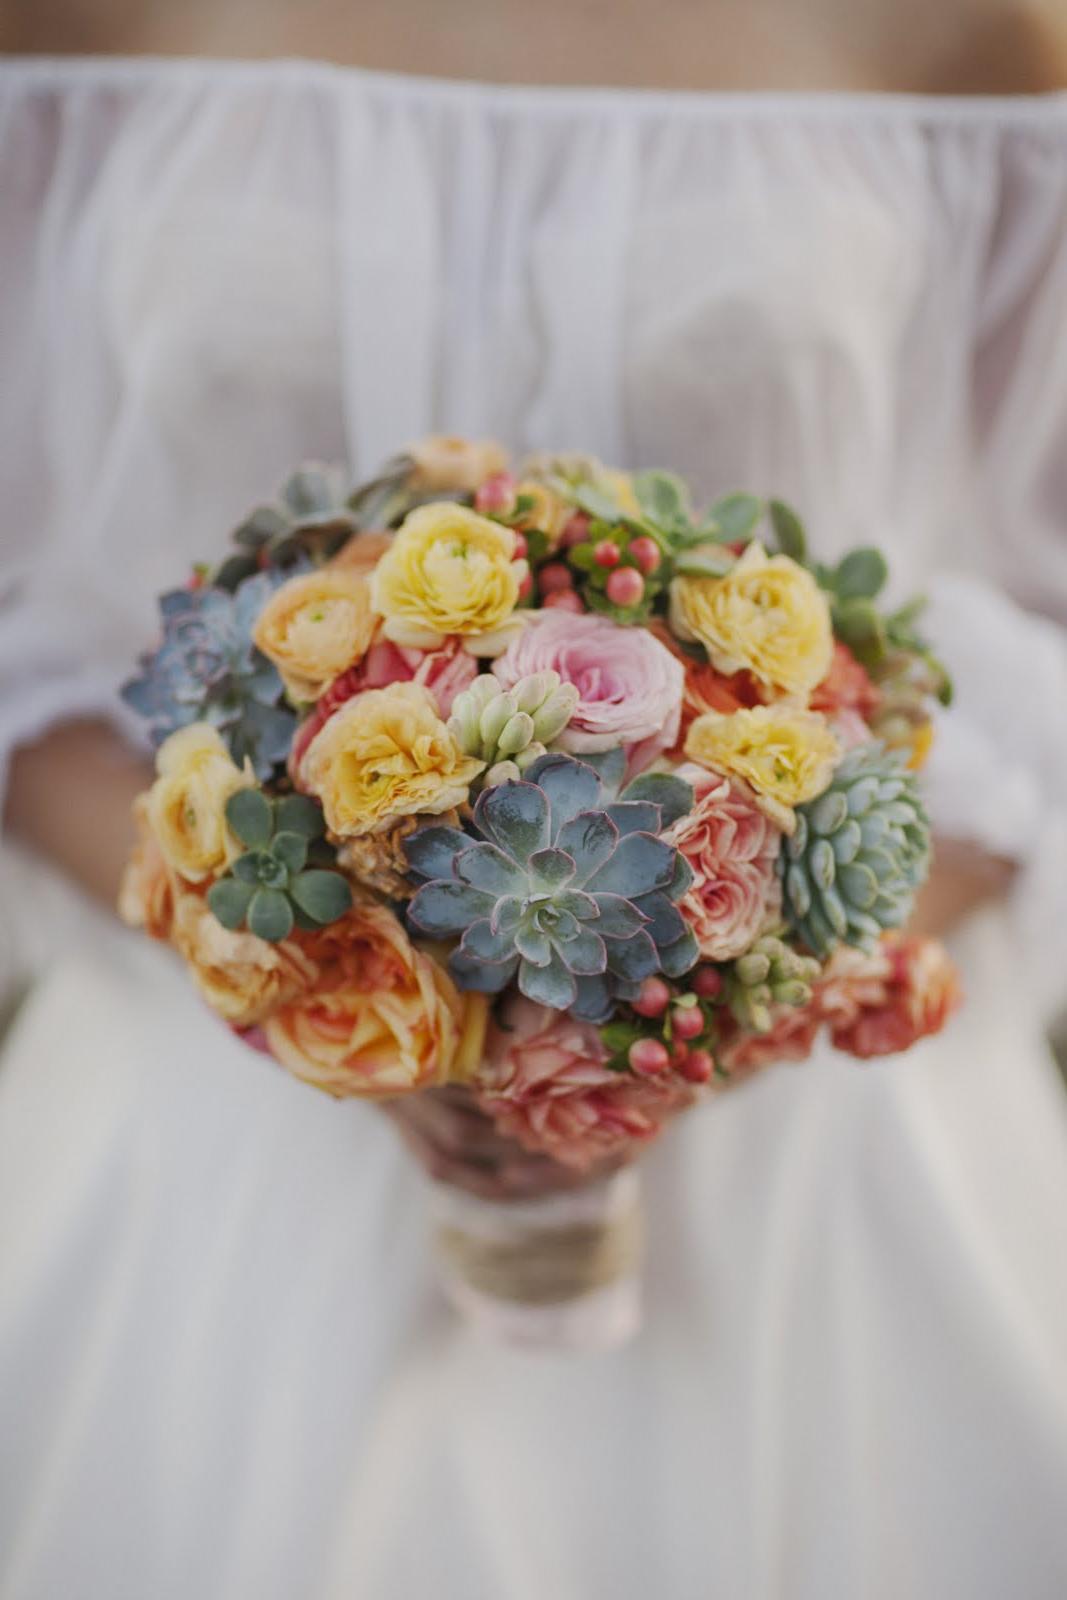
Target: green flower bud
[(753, 968), (515, 734), (501, 772), (494, 719), (533, 752), (531, 693), (555, 713)]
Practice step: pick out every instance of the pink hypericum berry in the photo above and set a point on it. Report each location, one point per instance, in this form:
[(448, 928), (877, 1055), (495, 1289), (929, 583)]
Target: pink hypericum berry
[(648, 1057), (564, 600), (625, 587), (687, 1022), (697, 1067), (521, 547), (653, 999), (496, 497), (607, 553), (526, 587), (645, 552), (555, 576), (575, 530), (707, 983)]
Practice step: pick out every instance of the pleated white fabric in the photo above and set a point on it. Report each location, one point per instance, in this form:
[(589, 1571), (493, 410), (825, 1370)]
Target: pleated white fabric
[(224, 1371)]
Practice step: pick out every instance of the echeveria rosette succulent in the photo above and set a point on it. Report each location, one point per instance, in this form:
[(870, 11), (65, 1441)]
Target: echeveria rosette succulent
[(276, 884), (567, 893), (310, 520), (859, 853), (208, 670)]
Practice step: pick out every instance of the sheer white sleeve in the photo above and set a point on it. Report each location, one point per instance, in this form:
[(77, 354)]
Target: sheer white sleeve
[(998, 774)]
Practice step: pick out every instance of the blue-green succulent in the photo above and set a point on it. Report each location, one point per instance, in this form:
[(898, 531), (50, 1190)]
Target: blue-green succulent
[(560, 887), (284, 878), (859, 853), (208, 670)]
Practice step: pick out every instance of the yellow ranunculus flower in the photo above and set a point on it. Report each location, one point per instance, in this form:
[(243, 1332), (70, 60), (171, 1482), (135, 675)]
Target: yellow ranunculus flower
[(187, 802), (445, 463), (767, 616), (386, 754), (448, 571), (315, 627), (786, 756)]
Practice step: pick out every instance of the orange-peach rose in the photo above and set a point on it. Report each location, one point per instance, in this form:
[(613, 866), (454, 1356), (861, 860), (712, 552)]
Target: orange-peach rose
[(187, 802), (241, 977), (384, 1018), (445, 463), (149, 886), (919, 994)]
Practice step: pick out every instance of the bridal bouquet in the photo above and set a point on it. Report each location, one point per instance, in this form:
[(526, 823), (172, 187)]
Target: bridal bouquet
[(546, 785)]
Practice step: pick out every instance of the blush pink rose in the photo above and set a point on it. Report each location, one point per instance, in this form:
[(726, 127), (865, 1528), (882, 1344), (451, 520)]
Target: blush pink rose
[(630, 685), (446, 672), (546, 1085), (732, 848)]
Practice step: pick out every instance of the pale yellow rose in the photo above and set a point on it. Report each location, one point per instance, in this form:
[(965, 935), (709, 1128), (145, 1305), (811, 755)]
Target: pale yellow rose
[(767, 616), (383, 1018), (386, 754), (447, 464), (786, 756), (315, 627), (448, 571), (187, 803), (241, 977)]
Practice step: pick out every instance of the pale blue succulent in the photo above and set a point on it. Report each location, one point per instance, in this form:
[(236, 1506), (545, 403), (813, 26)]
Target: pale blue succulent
[(208, 670), (566, 891)]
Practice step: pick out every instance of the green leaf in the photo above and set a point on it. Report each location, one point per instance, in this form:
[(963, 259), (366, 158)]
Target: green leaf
[(299, 814), (708, 561), (581, 556), (788, 531), (234, 570), (291, 849), (619, 1036), (270, 916), (323, 895), (251, 817), (537, 544), (858, 625), (861, 575), (229, 900), (663, 498), (736, 515), (595, 501)]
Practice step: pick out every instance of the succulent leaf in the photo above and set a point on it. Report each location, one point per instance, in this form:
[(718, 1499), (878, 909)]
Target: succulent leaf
[(549, 889)]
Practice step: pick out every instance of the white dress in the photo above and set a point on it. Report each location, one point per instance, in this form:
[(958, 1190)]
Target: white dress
[(224, 1370)]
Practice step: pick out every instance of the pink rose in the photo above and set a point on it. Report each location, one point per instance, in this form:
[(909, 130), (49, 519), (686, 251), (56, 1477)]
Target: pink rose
[(446, 672), (732, 848), (546, 1085), (630, 684)]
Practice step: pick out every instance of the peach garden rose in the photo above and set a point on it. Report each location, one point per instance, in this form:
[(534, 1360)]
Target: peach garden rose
[(732, 848)]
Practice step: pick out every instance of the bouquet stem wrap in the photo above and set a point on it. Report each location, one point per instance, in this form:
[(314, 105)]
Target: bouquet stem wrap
[(562, 1271)]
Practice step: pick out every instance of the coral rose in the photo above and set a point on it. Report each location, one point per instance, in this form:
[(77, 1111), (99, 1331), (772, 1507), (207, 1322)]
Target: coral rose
[(382, 1019), (316, 626), (846, 687), (919, 993), (767, 616), (187, 803), (361, 553), (732, 848), (241, 977), (446, 464), (383, 755), (546, 1085), (629, 685), (449, 571), (785, 756)]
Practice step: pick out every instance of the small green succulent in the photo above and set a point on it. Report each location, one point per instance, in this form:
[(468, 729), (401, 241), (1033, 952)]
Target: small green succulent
[(771, 973), (510, 729), (568, 892), (271, 887)]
